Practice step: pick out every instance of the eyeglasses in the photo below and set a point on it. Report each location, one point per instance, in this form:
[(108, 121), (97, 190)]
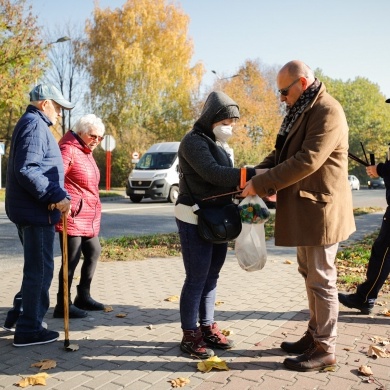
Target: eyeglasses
[(284, 91), (95, 137)]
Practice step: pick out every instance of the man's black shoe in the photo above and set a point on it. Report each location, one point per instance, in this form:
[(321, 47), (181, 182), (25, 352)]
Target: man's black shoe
[(354, 302), (43, 337)]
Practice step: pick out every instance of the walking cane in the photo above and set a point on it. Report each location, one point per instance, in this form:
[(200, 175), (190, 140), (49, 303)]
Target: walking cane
[(67, 345)]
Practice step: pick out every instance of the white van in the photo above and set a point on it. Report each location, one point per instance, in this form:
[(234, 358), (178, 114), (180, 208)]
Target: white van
[(156, 175)]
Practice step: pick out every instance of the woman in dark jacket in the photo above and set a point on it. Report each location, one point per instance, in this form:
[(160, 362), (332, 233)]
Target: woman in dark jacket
[(206, 163), (82, 183)]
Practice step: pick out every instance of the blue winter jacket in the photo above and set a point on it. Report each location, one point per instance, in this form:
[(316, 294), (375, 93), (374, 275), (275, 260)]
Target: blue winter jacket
[(35, 174)]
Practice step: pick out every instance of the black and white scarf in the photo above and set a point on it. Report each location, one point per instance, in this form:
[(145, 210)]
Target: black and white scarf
[(295, 111)]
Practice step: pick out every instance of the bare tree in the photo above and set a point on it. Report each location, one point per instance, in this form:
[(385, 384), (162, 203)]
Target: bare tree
[(65, 73)]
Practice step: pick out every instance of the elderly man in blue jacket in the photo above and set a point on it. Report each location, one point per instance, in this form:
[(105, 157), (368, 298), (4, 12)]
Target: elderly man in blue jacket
[(35, 181)]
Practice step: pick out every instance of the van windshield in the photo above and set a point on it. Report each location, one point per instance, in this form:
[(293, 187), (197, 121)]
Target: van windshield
[(158, 160)]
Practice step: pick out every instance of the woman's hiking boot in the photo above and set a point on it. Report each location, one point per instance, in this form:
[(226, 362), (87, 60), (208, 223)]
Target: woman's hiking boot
[(193, 344), (213, 337)]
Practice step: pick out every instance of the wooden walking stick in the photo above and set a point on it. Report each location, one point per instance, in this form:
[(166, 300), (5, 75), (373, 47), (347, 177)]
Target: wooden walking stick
[(67, 345)]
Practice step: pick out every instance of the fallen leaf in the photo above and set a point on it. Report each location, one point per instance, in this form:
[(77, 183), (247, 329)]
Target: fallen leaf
[(288, 262), (328, 369), (45, 364), (172, 298), (212, 362), (121, 315), (218, 303), (37, 379), (179, 382), (365, 370), (347, 349), (107, 309), (72, 347), (227, 332), (150, 327), (375, 351)]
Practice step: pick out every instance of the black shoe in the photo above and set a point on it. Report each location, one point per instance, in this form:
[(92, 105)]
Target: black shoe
[(84, 300), (299, 346), (10, 321), (43, 337), (74, 312), (354, 302)]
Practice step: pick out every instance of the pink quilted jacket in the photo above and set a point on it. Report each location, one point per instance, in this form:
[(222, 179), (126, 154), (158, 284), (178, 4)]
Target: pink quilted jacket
[(82, 178)]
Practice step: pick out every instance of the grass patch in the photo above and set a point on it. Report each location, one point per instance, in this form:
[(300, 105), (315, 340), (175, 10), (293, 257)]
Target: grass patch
[(352, 263), (2, 195), (154, 245)]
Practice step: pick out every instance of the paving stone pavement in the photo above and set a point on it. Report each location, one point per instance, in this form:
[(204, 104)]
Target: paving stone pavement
[(141, 350)]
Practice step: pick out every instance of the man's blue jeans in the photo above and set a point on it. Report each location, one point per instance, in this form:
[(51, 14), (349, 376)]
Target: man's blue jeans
[(202, 262), (38, 242)]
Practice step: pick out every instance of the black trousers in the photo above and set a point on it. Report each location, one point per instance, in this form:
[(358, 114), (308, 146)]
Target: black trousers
[(379, 264), (91, 249)]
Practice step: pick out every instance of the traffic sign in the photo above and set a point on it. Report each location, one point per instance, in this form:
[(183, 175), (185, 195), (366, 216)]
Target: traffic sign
[(135, 155), (108, 143)]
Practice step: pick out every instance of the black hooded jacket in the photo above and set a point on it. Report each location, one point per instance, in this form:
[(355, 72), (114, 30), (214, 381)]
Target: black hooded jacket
[(206, 166)]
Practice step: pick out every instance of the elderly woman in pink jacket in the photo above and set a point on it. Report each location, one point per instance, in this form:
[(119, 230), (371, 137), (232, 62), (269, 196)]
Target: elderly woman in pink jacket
[(82, 183)]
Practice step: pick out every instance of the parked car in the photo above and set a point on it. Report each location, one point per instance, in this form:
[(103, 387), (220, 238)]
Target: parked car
[(378, 182), (354, 182)]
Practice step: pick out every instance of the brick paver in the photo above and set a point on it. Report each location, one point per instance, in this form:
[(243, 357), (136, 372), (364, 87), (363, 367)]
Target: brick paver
[(141, 351)]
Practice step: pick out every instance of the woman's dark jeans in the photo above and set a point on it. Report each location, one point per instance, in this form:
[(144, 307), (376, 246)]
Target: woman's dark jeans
[(202, 262)]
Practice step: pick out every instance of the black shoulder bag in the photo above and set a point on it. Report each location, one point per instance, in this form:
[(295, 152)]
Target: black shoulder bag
[(218, 223)]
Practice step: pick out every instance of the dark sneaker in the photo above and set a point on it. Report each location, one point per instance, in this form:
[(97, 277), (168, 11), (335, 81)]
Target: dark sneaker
[(43, 337), (354, 302), (193, 344), (313, 359), (12, 327), (299, 346), (213, 337)]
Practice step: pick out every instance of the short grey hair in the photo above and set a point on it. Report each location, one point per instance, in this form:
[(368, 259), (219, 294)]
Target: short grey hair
[(88, 122)]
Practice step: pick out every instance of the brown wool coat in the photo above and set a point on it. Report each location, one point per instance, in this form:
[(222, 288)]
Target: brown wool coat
[(310, 176)]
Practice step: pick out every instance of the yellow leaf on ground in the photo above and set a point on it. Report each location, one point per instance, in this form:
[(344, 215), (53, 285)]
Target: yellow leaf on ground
[(172, 298), (227, 332), (218, 303), (212, 362), (288, 262), (107, 309), (179, 382), (45, 364), (121, 315), (37, 379), (365, 370)]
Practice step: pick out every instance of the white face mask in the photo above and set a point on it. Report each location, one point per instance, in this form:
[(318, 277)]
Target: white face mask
[(223, 133)]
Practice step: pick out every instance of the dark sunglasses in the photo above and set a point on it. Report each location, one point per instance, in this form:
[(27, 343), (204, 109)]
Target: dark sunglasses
[(284, 91)]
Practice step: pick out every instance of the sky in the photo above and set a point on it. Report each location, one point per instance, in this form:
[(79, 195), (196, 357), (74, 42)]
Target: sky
[(344, 38)]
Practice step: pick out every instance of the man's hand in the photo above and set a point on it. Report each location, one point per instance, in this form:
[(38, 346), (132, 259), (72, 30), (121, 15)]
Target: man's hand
[(371, 171), (248, 190), (63, 206)]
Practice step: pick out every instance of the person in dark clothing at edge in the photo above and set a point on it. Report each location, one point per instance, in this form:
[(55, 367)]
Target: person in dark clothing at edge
[(35, 182), (205, 161), (378, 268)]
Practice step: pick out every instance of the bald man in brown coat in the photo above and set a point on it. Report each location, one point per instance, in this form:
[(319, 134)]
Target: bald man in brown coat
[(309, 171)]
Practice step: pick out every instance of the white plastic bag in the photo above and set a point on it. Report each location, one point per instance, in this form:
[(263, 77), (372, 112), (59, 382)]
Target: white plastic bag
[(250, 248)]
